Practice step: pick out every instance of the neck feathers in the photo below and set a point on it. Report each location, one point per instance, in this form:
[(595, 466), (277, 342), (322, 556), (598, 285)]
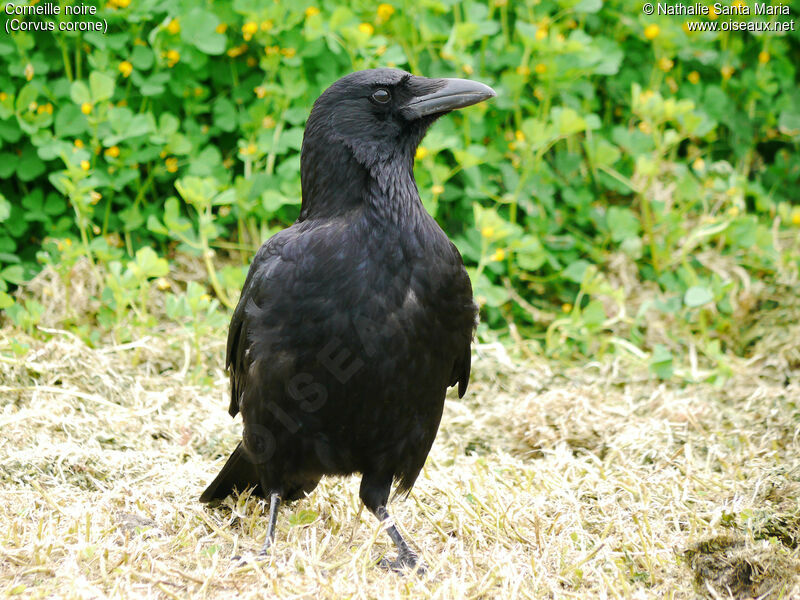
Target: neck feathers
[(336, 180)]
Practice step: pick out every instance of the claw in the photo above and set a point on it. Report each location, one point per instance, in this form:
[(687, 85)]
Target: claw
[(243, 561), (404, 562)]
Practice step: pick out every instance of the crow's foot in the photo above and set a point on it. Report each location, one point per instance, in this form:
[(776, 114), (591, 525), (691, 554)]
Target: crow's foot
[(405, 561)]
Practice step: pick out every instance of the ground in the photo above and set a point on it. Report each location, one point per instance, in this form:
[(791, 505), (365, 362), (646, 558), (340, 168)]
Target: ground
[(546, 481)]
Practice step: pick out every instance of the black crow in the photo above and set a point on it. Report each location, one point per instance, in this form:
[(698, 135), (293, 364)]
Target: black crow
[(354, 321)]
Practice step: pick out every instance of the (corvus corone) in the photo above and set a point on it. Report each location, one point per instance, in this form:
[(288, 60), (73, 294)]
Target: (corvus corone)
[(354, 321)]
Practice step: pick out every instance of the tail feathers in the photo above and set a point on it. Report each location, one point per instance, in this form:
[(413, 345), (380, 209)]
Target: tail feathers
[(238, 473)]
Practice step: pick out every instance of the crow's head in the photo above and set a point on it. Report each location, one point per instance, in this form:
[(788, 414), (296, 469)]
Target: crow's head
[(368, 124), (382, 114)]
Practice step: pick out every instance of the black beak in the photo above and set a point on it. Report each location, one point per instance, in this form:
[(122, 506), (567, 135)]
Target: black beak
[(455, 93)]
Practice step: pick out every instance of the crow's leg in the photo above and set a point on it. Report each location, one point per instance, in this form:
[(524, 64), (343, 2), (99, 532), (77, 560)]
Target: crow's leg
[(274, 505), (375, 494)]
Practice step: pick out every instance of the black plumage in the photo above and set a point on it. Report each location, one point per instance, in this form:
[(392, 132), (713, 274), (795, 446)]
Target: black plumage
[(354, 321)]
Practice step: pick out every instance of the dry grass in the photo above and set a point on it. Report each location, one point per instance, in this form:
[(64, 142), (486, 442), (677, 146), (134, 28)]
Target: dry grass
[(591, 482)]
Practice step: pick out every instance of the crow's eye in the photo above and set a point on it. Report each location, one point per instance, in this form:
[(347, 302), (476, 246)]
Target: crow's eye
[(381, 96)]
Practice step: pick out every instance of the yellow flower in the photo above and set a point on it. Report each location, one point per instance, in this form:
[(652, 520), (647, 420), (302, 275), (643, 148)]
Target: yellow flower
[(644, 127), (174, 27), (311, 11), (266, 25), (251, 148), (498, 254), (541, 33), (763, 57), (651, 31), (221, 28), (94, 198), (112, 152), (162, 283), (85, 165), (523, 70), (288, 52), (125, 68), (122, 3), (566, 307), (727, 72), (467, 69), (694, 77), (540, 68), (260, 91), (272, 50), (519, 136), (699, 164), (437, 189), (268, 122), (78, 143), (737, 5), (733, 211), (173, 56), (237, 51), (29, 71), (712, 13), (421, 153), (487, 232), (3, 96), (385, 11), (249, 29), (665, 64), (86, 108), (796, 216), (366, 28), (171, 164)]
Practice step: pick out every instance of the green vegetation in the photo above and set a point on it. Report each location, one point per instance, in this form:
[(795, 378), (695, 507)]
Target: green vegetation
[(633, 189)]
